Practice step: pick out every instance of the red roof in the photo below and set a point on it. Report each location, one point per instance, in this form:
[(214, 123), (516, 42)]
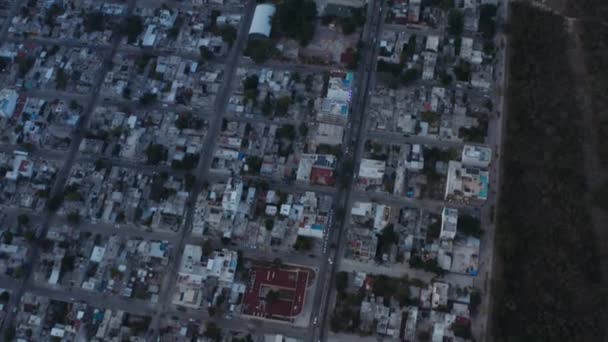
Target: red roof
[(291, 285), (322, 176)]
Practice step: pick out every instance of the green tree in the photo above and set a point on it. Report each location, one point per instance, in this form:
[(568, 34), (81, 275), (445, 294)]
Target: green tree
[(455, 22), (341, 281), (61, 79), (94, 21), (131, 27), (410, 75), (7, 237), (155, 154), (469, 225), (272, 296), (228, 34), (148, 99), (282, 106), (10, 333), (213, 332), (295, 19), (54, 203), (205, 53), (269, 224), (74, 218), (23, 220)]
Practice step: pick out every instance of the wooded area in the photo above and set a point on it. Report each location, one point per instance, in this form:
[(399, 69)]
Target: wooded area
[(549, 285)]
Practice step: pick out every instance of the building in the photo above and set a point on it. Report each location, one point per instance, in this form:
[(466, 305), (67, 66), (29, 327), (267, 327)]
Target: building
[(22, 167), (372, 169), (466, 183), (415, 159), (336, 104), (262, 21), (414, 8), (329, 134), (476, 156), (449, 223), (316, 169), (439, 295), (341, 8), (194, 270), (8, 102)]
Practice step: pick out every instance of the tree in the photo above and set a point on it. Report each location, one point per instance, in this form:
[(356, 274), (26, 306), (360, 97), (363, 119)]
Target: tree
[(54, 203), (148, 99), (267, 106), (68, 262), (251, 82), (228, 34), (303, 129), (469, 225), (282, 106), (213, 332), (207, 248), (260, 50), (132, 27), (455, 22), (155, 154), (10, 333), (410, 75), (25, 65), (287, 131), (74, 218), (487, 20), (5, 296), (463, 71), (341, 281), (254, 164), (205, 53), (94, 21), (23, 220), (269, 224), (272, 296), (348, 25), (7, 237), (295, 19), (303, 243), (61, 79)]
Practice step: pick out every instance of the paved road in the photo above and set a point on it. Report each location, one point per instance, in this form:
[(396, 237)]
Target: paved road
[(203, 166), (354, 140), (481, 328), (398, 138)]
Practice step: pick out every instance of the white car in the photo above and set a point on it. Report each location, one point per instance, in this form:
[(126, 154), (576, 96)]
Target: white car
[(314, 321), (330, 261)]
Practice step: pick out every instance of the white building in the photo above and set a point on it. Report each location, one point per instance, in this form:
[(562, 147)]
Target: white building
[(466, 183), (476, 156), (372, 169), (262, 19), (8, 102), (449, 222)]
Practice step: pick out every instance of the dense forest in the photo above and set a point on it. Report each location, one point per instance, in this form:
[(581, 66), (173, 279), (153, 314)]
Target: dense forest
[(548, 284), (594, 36)]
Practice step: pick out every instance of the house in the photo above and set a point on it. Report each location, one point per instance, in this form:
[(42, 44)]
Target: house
[(449, 222), (8, 102), (466, 183), (316, 169), (476, 156)]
